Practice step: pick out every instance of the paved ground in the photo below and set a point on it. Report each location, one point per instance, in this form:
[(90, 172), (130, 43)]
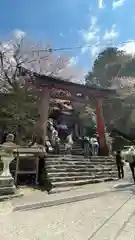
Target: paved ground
[(35, 199), (111, 216), (106, 217)]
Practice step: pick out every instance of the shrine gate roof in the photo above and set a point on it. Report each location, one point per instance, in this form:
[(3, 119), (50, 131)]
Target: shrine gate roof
[(50, 82)]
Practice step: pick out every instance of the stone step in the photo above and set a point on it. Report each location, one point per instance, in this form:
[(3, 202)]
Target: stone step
[(69, 168), (76, 161), (74, 174), (73, 153), (81, 153), (102, 161), (80, 177), (93, 157), (80, 170), (77, 170), (82, 182), (81, 173), (73, 150), (74, 143), (78, 164), (78, 158), (7, 190), (74, 147)]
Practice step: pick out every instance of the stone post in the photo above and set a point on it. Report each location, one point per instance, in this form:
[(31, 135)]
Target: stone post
[(101, 128), (6, 154), (6, 159)]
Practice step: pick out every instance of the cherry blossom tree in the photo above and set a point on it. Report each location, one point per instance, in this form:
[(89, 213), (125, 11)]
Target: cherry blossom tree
[(18, 54), (18, 110)]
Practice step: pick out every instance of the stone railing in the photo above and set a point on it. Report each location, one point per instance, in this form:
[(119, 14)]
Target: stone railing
[(25, 160)]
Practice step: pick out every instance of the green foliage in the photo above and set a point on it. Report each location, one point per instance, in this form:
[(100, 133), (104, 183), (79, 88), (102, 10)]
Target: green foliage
[(112, 63), (128, 69), (107, 66), (18, 112), (87, 119)]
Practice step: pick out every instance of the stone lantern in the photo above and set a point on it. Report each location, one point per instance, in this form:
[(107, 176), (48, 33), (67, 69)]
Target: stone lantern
[(6, 154)]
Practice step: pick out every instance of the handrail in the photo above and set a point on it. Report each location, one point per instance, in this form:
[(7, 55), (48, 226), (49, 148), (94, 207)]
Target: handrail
[(23, 149), (127, 137)]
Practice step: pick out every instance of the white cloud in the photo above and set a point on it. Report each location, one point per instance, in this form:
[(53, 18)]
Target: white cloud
[(94, 40), (77, 74), (73, 61), (117, 4), (128, 47), (91, 36), (84, 49), (101, 4), (73, 74), (91, 33), (111, 34), (19, 34), (95, 51)]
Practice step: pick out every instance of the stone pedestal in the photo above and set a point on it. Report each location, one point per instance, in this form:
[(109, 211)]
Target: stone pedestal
[(6, 180), (7, 186)]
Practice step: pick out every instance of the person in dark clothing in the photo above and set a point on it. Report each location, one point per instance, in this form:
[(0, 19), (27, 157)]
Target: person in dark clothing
[(57, 145), (132, 168), (119, 164), (4, 137), (87, 147), (131, 160)]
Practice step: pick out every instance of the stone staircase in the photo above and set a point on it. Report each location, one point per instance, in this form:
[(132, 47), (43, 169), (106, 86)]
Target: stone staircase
[(76, 170), (76, 149)]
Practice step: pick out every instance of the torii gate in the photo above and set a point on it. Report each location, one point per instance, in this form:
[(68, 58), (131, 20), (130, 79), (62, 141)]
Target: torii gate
[(51, 87)]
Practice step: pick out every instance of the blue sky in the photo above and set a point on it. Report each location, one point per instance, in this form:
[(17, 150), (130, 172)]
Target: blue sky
[(69, 23)]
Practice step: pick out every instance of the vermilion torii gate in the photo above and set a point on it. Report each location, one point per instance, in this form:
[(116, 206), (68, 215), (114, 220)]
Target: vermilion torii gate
[(50, 87)]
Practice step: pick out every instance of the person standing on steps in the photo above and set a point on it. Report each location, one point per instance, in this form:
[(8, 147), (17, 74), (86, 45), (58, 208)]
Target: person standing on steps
[(87, 147), (131, 161), (119, 164), (57, 144), (95, 145), (69, 144)]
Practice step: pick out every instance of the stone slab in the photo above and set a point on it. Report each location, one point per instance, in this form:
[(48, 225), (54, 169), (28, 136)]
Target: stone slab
[(10, 196), (6, 181), (7, 190), (41, 199)]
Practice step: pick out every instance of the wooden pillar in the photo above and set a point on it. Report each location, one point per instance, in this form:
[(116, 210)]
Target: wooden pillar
[(76, 131), (101, 128), (43, 111)]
